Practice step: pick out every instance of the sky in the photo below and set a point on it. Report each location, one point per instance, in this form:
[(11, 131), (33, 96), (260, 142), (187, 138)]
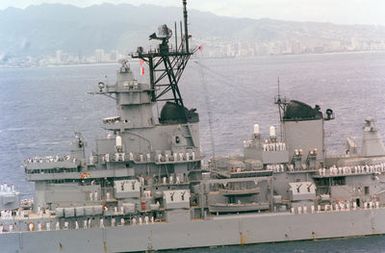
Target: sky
[(334, 11)]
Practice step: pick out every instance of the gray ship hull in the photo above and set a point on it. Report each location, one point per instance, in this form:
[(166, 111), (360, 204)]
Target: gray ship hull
[(218, 231), (148, 176)]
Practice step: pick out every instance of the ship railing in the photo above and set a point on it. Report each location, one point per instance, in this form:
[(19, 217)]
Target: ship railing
[(336, 207), (23, 216), (158, 158), (132, 86), (244, 191), (49, 159), (171, 50), (276, 168), (274, 146), (43, 222), (4, 188), (280, 168), (351, 170), (292, 169), (51, 223), (171, 180), (174, 157), (54, 170), (111, 120)]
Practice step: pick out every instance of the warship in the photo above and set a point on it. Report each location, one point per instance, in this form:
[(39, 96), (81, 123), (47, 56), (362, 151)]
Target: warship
[(145, 187)]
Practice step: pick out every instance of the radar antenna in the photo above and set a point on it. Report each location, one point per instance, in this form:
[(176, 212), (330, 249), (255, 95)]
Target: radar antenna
[(166, 64)]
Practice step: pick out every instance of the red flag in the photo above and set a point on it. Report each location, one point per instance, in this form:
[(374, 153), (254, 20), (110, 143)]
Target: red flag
[(141, 62)]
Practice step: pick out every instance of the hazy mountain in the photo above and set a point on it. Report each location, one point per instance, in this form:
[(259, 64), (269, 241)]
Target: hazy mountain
[(45, 28)]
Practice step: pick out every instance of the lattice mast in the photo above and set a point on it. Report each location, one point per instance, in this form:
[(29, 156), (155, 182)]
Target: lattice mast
[(166, 64)]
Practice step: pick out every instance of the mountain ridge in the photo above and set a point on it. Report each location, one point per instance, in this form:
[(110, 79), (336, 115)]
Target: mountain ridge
[(43, 29)]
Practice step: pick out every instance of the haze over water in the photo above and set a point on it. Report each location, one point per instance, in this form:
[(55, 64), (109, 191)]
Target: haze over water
[(42, 107)]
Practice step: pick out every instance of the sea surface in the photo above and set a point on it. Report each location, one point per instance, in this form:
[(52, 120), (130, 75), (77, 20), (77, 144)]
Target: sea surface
[(41, 108)]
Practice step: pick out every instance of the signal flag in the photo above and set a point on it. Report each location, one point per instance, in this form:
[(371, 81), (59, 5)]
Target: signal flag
[(141, 67)]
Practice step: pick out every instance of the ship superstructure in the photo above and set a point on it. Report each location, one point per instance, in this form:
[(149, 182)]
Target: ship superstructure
[(146, 165), (145, 187)]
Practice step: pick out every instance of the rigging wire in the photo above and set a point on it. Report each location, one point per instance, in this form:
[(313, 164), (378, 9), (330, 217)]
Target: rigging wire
[(209, 111), (209, 70)]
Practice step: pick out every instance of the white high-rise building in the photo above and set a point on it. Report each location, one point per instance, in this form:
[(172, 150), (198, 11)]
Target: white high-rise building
[(99, 54)]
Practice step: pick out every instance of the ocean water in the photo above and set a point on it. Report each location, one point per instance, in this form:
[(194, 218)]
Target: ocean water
[(41, 108), (372, 244)]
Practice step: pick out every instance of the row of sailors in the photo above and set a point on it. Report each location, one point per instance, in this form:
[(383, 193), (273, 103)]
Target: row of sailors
[(17, 215), (341, 206), (172, 180), (275, 146), (141, 158), (49, 159), (100, 210), (20, 215), (340, 170), (6, 214), (378, 168), (85, 224), (94, 196), (9, 215), (6, 188), (176, 157), (278, 168)]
